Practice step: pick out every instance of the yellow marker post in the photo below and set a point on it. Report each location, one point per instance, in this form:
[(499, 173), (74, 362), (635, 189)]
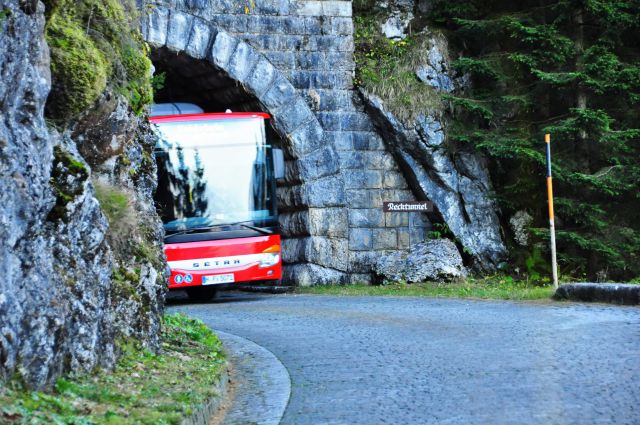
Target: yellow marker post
[(552, 227)]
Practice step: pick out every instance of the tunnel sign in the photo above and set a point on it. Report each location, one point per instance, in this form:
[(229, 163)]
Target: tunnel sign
[(413, 206)]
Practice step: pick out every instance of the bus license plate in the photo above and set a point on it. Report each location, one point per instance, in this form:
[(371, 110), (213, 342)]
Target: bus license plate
[(217, 279)]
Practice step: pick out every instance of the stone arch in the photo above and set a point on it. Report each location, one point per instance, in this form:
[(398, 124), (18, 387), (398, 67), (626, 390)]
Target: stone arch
[(316, 241)]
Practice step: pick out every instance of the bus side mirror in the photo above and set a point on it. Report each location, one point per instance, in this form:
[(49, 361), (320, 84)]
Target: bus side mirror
[(278, 163)]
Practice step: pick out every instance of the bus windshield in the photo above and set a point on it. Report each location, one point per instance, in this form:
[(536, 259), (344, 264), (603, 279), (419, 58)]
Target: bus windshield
[(213, 172)]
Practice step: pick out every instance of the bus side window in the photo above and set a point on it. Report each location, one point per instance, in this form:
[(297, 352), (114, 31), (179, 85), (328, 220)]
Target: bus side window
[(278, 163)]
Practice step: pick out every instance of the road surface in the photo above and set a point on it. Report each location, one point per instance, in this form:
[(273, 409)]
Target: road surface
[(397, 360)]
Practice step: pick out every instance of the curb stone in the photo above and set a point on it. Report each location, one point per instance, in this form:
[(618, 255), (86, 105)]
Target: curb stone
[(261, 382), (612, 293), (203, 414)]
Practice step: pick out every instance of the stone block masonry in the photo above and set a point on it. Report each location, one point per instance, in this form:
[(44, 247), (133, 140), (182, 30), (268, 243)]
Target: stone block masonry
[(296, 58)]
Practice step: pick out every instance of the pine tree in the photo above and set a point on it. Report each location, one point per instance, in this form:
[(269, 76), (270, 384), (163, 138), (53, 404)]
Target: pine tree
[(570, 68)]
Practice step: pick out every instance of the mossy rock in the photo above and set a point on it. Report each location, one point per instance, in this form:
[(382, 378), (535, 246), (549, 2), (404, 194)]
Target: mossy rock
[(123, 284), (387, 68), (134, 57), (80, 71), (114, 203), (65, 189), (94, 45), (4, 14)]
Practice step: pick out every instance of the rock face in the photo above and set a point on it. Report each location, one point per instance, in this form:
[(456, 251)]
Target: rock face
[(436, 260), (67, 294), (400, 14), (520, 223), (455, 179), (459, 186), (395, 27), (436, 72)]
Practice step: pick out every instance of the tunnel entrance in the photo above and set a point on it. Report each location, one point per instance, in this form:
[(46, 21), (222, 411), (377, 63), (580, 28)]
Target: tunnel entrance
[(198, 81), (189, 80)]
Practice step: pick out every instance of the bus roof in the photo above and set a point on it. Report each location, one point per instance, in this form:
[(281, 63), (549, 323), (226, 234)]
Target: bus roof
[(208, 116)]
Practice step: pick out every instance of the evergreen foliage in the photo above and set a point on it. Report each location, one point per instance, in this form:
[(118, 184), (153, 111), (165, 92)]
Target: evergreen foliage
[(570, 68)]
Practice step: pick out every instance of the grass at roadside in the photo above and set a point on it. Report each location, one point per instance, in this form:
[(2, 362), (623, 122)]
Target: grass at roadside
[(143, 389), (496, 287)]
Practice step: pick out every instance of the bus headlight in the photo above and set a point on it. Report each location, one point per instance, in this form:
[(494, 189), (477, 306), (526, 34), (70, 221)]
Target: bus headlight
[(269, 259)]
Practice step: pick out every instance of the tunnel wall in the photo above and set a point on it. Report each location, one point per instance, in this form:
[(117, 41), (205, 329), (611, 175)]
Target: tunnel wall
[(296, 58)]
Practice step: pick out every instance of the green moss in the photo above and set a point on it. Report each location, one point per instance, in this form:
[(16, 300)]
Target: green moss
[(147, 164), (145, 388), (73, 165), (114, 202), (4, 14), (95, 45), (65, 165), (79, 69), (138, 87), (147, 252), (123, 284), (128, 236)]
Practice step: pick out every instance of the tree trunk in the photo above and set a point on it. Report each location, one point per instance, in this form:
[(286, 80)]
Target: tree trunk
[(545, 97), (582, 144)]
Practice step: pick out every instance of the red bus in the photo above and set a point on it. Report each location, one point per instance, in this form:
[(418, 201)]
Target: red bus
[(216, 197)]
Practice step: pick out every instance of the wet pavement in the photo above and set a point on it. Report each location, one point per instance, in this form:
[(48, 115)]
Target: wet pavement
[(397, 360)]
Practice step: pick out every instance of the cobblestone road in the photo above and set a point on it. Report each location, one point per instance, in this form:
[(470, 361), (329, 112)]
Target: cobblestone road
[(362, 360)]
